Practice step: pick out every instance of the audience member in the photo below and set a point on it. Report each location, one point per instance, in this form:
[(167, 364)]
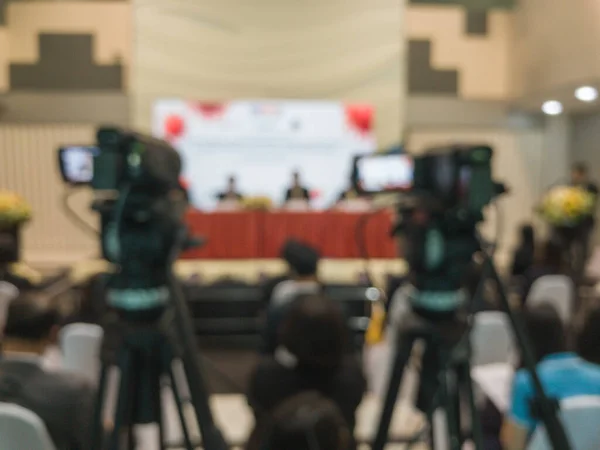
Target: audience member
[(313, 355), (307, 421), (297, 191), (549, 262), (63, 401), (231, 193), (302, 261), (523, 257), (562, 374)]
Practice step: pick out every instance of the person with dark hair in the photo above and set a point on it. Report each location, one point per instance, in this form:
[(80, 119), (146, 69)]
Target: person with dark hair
[(63, 401), (297, 191), (523, 257), (313, 354), (549, 262), (302, 261), (307, 421), (561, 373), (231, 193)]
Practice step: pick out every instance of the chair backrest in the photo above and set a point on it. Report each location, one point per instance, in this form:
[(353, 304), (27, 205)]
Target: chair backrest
[(22, 429), (557, 290), (581, 420), (492, 338), (80, 344)]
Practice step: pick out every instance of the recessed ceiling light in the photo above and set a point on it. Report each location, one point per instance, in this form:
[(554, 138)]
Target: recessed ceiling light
[(552, 107), (586, 93)]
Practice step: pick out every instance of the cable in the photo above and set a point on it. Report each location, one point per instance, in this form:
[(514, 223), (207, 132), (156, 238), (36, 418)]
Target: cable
[(75, 218), (361, 239)]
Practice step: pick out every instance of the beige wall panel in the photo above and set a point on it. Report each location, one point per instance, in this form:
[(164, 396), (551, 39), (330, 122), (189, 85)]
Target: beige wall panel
[(3, 59), (28, 165), (109, 22), (482, 61)]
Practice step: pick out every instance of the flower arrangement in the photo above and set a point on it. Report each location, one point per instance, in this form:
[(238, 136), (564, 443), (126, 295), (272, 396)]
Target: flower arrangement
[(14, 210), (566, 206), (257, 203)]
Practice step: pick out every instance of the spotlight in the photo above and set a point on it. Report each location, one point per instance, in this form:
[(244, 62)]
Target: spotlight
[(552, 107), (586, 93)]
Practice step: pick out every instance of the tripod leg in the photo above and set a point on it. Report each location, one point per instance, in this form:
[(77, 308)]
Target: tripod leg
[(97, 434), (179, 405), (211, 436), (123, 404), (450, 402), (464, 376), (400, 361)]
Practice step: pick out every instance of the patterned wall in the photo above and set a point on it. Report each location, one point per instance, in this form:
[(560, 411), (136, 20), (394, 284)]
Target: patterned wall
[(455, 51), (65, 46)]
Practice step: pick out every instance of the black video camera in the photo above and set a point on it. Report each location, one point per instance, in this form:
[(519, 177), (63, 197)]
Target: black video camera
[(135, 179), (441, 197)]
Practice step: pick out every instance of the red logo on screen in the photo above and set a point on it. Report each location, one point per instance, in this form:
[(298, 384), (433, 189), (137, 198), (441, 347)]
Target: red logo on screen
[(360, 117), (209, 110)]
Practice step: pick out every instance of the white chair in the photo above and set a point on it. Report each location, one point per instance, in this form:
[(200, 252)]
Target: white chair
[(556, 290), (581, 419), (80, 344), (492, 338), (8, 292), (22, 429)]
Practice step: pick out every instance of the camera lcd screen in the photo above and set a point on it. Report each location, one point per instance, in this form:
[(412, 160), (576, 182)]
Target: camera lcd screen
[(384, 173), (77, 163)]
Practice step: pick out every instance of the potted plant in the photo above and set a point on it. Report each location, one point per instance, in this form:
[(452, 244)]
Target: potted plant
[(14, 212)]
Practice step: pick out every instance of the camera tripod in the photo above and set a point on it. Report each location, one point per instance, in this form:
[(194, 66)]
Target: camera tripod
[(446, 373), (143, 346)]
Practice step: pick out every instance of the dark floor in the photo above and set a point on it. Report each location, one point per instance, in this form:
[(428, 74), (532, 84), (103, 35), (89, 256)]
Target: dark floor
[(227, 371)]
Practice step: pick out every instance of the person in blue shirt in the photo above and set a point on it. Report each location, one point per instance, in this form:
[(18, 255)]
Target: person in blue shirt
[(563, 374)]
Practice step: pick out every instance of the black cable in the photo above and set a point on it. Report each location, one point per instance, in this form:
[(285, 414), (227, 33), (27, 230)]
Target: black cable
[(360, 237), (75, 218)]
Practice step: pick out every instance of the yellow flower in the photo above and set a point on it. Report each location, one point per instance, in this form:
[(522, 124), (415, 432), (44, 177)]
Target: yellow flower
[(14, 210)]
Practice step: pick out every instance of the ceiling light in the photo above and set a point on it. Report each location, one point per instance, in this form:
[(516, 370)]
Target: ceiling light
[(586, 93), (552, 107)]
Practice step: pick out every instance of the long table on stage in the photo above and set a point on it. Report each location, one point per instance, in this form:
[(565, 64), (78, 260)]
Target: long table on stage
[(261, 234)]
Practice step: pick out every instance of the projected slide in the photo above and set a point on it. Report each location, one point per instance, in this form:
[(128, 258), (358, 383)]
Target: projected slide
[(262, 142)]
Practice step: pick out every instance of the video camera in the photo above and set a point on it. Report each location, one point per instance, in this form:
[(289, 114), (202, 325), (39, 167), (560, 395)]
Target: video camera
[(441, 197), (135, 179)]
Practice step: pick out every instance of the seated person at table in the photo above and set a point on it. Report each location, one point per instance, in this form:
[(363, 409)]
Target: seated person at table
[(63, 401), (307, 421), (296, 191), (231, 193), (549, 262), (562, 374), (313, 354), (302, 261)]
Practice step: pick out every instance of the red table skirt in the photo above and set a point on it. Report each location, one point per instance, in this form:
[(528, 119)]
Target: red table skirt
[(251, 235)]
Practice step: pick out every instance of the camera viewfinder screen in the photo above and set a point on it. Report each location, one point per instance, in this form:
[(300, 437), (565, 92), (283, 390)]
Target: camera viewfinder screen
[(77, 163), (380, 173)]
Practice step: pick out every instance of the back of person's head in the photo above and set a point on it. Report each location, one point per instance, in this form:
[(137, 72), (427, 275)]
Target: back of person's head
[(30, 319), (588, 340), (307, 421), (545, 330), (314, 331), (302, 259)]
